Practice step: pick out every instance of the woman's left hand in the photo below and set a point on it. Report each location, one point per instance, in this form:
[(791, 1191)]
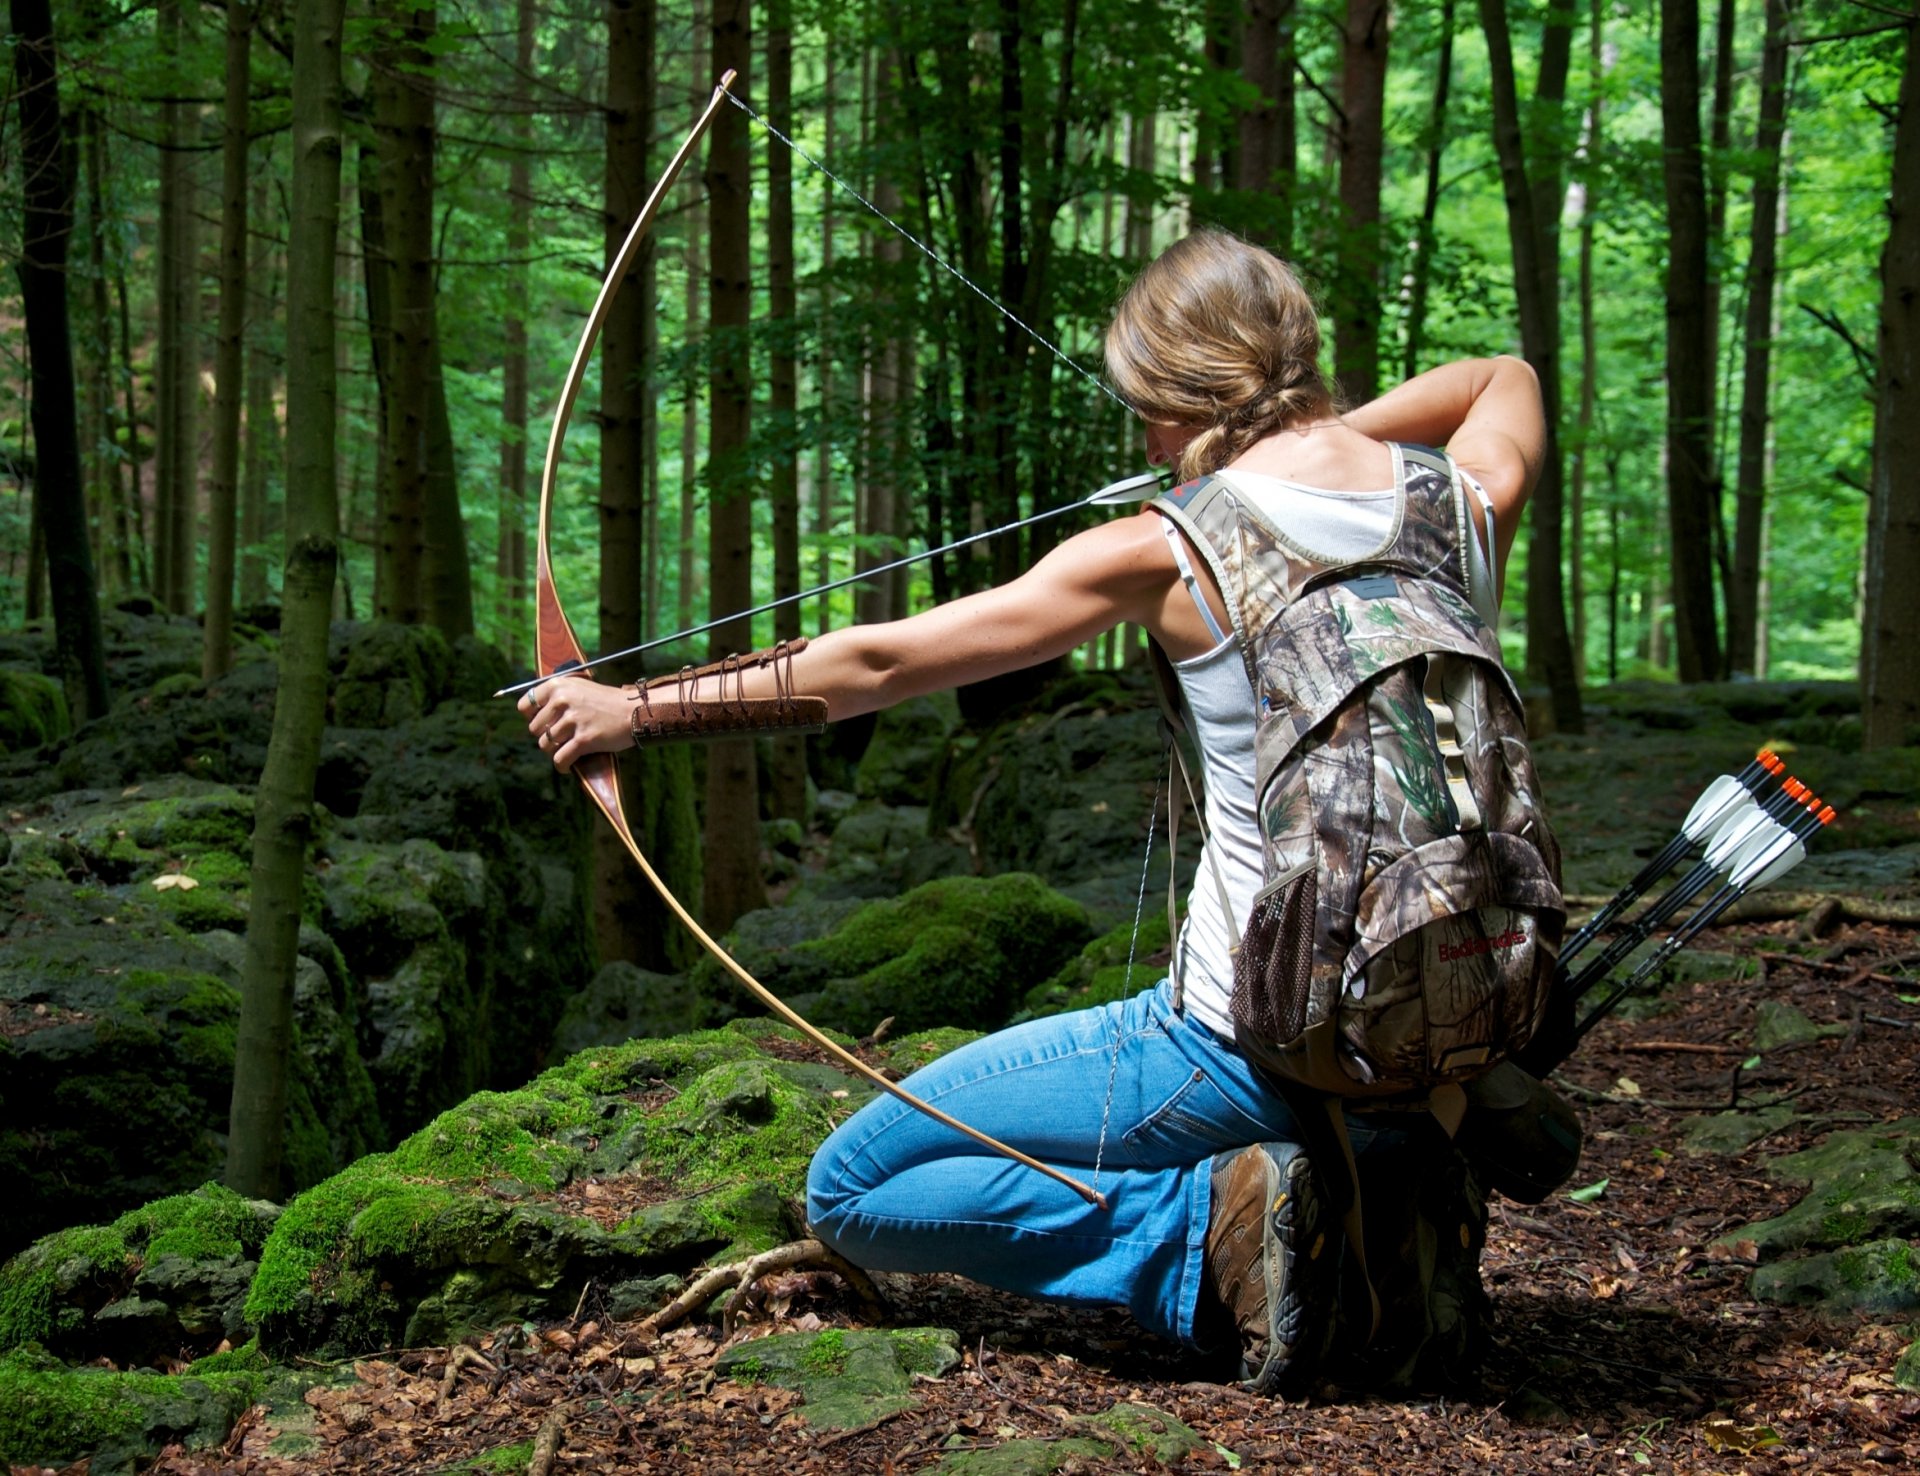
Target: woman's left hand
[(575, 716)]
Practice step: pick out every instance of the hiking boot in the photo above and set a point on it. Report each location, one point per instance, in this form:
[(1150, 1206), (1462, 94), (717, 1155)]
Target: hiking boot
[(1272, 1260)]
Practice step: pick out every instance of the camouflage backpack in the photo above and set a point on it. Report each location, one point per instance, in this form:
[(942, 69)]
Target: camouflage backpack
[(1404, 938)]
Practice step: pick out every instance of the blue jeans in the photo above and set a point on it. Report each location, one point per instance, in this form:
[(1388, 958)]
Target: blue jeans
[(893, 1190)]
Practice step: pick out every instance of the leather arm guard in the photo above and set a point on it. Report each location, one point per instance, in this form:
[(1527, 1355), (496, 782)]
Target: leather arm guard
[(710, 701)]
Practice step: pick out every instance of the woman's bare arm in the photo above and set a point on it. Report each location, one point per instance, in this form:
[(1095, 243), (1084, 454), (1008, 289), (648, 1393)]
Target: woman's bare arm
[(1486, 412), (1118, 571)]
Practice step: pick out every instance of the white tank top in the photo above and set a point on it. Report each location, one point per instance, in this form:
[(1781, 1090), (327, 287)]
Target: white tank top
[(1342, 526)]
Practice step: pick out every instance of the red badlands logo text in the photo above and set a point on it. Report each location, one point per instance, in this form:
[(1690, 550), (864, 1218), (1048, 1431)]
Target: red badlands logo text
[(1513, 937)]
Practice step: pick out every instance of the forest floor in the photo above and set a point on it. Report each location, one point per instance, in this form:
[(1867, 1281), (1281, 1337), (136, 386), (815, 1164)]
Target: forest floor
[(1623, 1337)]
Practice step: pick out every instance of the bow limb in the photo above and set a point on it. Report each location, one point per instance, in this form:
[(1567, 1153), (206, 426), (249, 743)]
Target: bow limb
[(558, 649)]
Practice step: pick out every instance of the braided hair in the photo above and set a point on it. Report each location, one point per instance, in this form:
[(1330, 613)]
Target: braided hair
[(1218, 334)]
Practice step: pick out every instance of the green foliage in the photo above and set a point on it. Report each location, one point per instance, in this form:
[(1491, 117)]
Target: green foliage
[(51, 1414)]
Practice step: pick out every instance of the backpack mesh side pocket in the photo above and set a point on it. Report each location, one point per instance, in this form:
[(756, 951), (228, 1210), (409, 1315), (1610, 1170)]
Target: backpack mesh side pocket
[(1273, 972)]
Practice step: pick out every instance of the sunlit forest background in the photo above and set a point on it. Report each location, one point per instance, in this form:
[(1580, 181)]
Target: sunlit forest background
[(1043, 150)]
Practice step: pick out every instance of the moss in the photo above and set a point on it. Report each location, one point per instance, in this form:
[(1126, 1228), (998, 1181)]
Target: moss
[(502, 1459), (50, 1414), (1101, 974), (247, 1358), (826, 1355), (89, 1261), (495, 1135), (742, 1121), (33, 710)]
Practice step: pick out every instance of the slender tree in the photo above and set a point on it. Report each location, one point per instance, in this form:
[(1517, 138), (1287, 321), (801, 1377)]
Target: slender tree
[(216, 644), (1421, 272), (262, 442), (1889, 655), (59, 493), (283, 807), (789, 772), (731, 856), (1691, 476), (178, 369), (511, 612), (1743, 592), (1363, 94), (1267, 140), (1535, 247)]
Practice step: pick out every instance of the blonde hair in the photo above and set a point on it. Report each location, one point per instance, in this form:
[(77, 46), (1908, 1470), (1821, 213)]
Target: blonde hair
[(1221, 335)]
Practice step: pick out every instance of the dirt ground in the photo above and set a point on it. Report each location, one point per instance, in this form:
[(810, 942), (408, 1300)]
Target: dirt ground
[(1623, 1338)]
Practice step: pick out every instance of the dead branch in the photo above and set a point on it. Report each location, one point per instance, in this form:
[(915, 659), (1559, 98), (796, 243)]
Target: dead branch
[(744, 1275), (546, 1445), (458, 1357)]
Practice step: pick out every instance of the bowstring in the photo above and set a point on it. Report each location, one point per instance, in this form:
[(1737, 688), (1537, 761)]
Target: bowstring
[(931, 255), (1133, 944)]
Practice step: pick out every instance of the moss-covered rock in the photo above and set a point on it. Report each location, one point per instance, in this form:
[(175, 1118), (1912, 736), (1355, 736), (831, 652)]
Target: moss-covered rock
[(116, 1077), (166, 1278), (956, 952), (848, 1377), (51, 1414), (389, 674), (1134, 1434), (1101, 973), (880, 851), (458, 1227), (33, 710), (1880, 1277), (623, 1002), (908, 750), (1861, 1185)]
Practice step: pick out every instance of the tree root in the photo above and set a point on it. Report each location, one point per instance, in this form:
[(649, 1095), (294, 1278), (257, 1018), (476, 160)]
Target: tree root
[(458, 1357), (745, 1275)]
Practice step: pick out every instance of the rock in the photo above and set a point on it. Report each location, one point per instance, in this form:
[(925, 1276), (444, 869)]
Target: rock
[(1861, 1185), (881, 851), (388, 674), (1728, 1133), (1136, 1434), (1101, 973), (463, 1225), (850, 1378), (51, 1415), (1880, 1277), (33, 711), (116, 1069), (1906, 1372), (167, 1277), (1776, 1024), (623, 1002), (903, 761), (958, 951)]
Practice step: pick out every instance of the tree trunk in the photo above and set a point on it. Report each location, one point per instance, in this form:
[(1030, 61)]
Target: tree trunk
[(448, 572), (1890, 657), (1535, 282), (59, 494), (1743, 592), (216, 634), (1589, 360), (733, 884), (789, 772), (262, 441), (402, 93), (823, 471), (1267, 141), (283, 808), (511, 611), (177, 371), (630, 920), (115, 536), (1423, 242), (1363, 92), (1691, 478)]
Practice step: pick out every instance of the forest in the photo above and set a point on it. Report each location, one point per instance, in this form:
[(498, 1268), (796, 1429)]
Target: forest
[(334, 368)]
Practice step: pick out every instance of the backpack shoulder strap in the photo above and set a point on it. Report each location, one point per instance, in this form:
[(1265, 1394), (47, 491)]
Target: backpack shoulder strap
[(1433, 531)]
